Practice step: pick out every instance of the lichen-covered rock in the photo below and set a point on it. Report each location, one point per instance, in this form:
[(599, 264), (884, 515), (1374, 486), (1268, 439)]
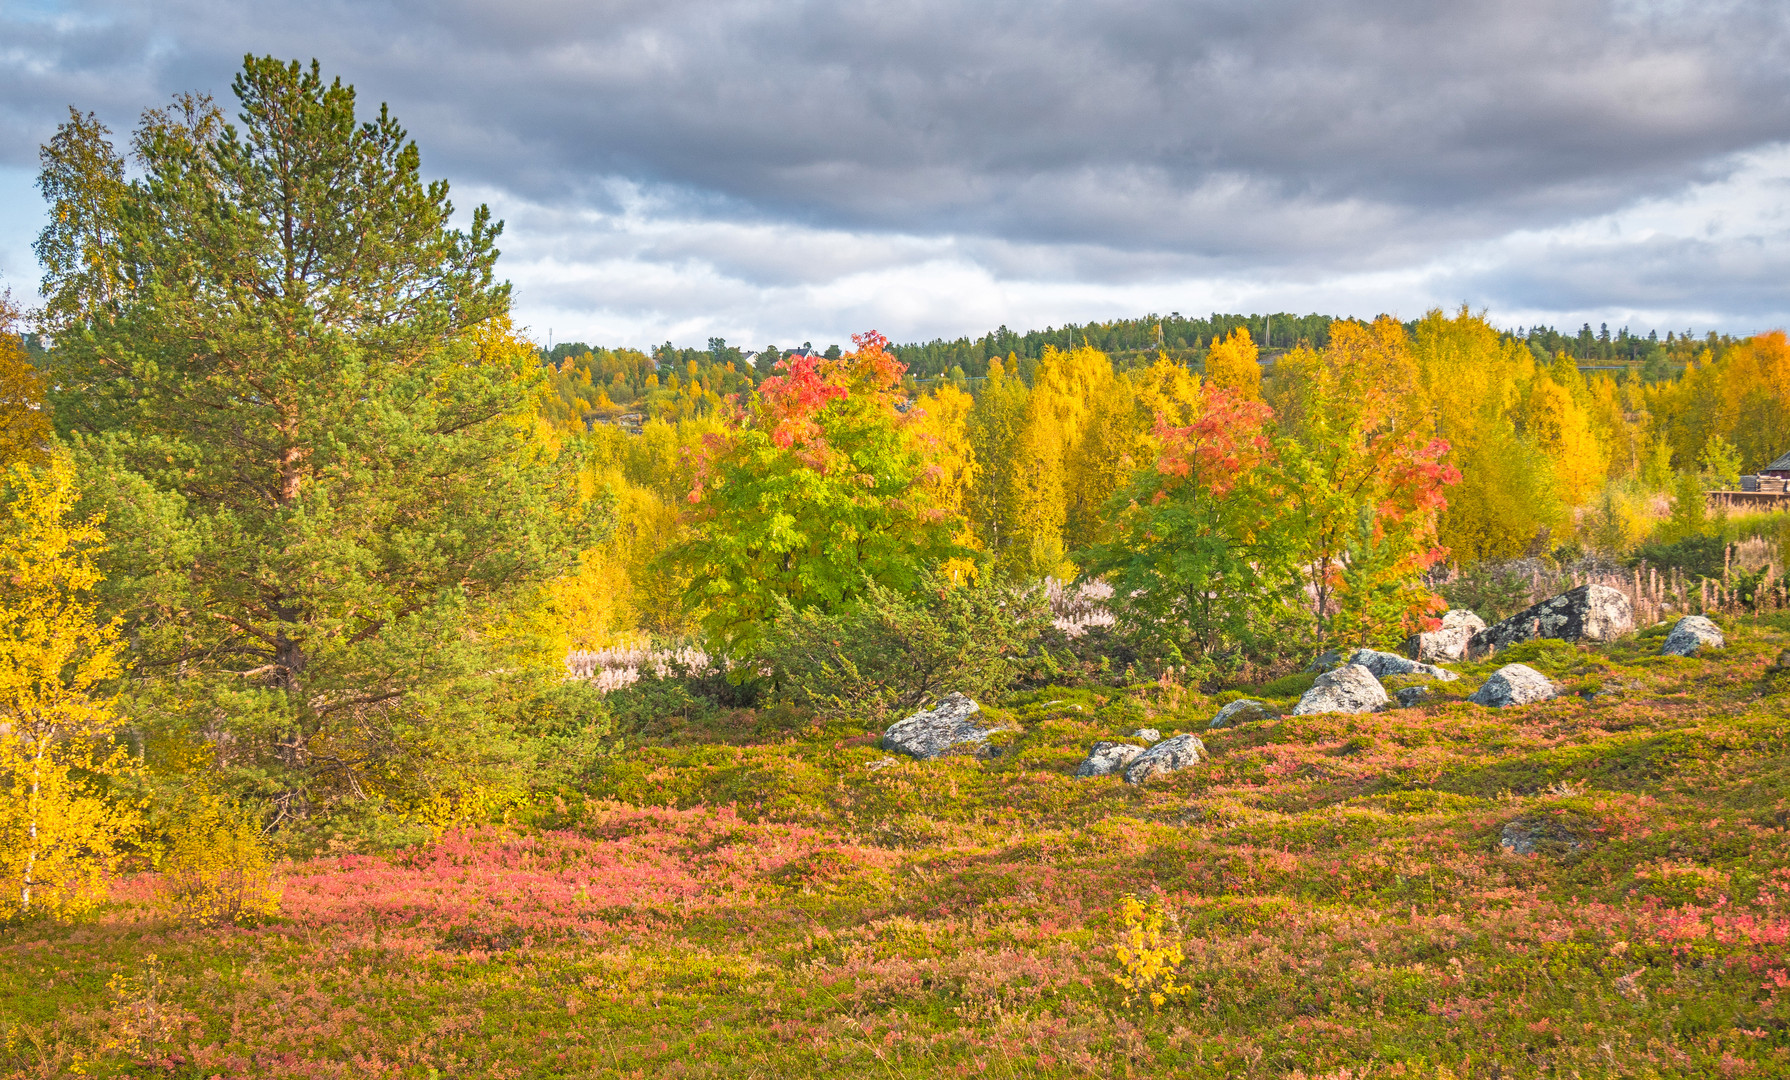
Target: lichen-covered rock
[(1514, 684), (1448, 642), (951, 725), (1167, 756), (1326, 661), (1246, 711), (1559, 836), (1383, 664), (1107, 758), (1690, 635), (1587, 613), (1349, 689), (1148, 734), (1411, 696)]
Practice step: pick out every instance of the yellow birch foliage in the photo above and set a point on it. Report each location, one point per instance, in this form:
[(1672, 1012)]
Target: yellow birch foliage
[(1058, 409), (217, 869), (1563, 430), (1231, 364), (58, 833), (1101, 461), (1149, 958), (941, 431), (24, 422), (1166, 389), (1475, 385)]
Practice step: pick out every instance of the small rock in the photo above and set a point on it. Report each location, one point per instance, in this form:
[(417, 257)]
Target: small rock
[(1349, 689), (1383, 664), (1326, 661), (1245, 711), (1587, 613), (1691, 634), (1107, 757), (1545, 834), (1148, 734), (946, 727), (1411, 696), (1448, 642), (1167, 756), (1514, 684)]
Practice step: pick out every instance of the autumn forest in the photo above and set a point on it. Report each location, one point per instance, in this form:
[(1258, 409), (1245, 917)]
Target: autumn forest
[(386, 690)]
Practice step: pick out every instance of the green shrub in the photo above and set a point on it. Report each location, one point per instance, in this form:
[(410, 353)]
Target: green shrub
[(1288, 685), (1696, 556), (888, 652), (1489, 590)]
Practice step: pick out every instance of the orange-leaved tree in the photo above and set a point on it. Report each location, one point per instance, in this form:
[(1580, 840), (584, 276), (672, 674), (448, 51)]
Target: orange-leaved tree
[(812, 492), (1364, 482), (1200, 556)]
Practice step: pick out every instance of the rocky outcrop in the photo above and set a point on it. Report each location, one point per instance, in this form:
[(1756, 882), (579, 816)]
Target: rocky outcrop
[(1148, 734), (1383, 664), (1167, 756), (1349, 689), (1448, 642), (1514, 684), (1107, 758), (1587, 613), (1246, 711), (1692, 634), (1411, 696), (1560, 836), (952, 726)]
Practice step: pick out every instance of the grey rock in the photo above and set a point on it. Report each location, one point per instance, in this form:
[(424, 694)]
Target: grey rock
[(1246, 711), (949, 726), (1587, 613), (1448, 642), (1349, 689), (1561, 836), (1411, 696), (1692, 634), (1326, 661), (1107, 757), (1167, 756), (1383, 664), (1148, 734), (1514, 684)]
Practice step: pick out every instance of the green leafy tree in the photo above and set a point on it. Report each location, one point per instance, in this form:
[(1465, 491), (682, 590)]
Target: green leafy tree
[(810, 495), (1201, 561), (294, 387), (1720, 462)]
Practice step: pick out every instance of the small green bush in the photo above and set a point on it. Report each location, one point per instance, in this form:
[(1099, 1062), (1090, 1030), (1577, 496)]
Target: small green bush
[(889, 652), (1489, 590), (1288, 685)]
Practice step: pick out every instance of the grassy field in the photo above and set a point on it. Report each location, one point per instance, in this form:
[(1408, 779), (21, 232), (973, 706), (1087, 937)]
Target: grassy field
[(743, 896)]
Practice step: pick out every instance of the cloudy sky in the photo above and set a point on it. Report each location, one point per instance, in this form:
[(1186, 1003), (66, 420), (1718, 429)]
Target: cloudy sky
[(773, 172)]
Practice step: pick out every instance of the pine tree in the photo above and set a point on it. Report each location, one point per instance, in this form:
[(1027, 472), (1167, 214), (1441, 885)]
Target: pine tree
[(295, 385)]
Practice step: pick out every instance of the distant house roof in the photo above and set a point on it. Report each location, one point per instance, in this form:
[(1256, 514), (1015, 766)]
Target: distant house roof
[(1780, 465)]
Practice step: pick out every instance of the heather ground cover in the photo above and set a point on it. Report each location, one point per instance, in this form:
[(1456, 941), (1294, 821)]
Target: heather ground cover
[(756, 894)]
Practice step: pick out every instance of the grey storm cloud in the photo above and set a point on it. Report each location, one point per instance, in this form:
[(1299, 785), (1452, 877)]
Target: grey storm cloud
[(1120, 139)]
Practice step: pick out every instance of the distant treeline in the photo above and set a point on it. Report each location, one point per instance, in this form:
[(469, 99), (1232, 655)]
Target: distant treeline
[(669, 381)]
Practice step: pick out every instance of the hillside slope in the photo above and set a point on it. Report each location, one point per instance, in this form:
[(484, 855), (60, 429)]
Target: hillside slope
[(743, 898)]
